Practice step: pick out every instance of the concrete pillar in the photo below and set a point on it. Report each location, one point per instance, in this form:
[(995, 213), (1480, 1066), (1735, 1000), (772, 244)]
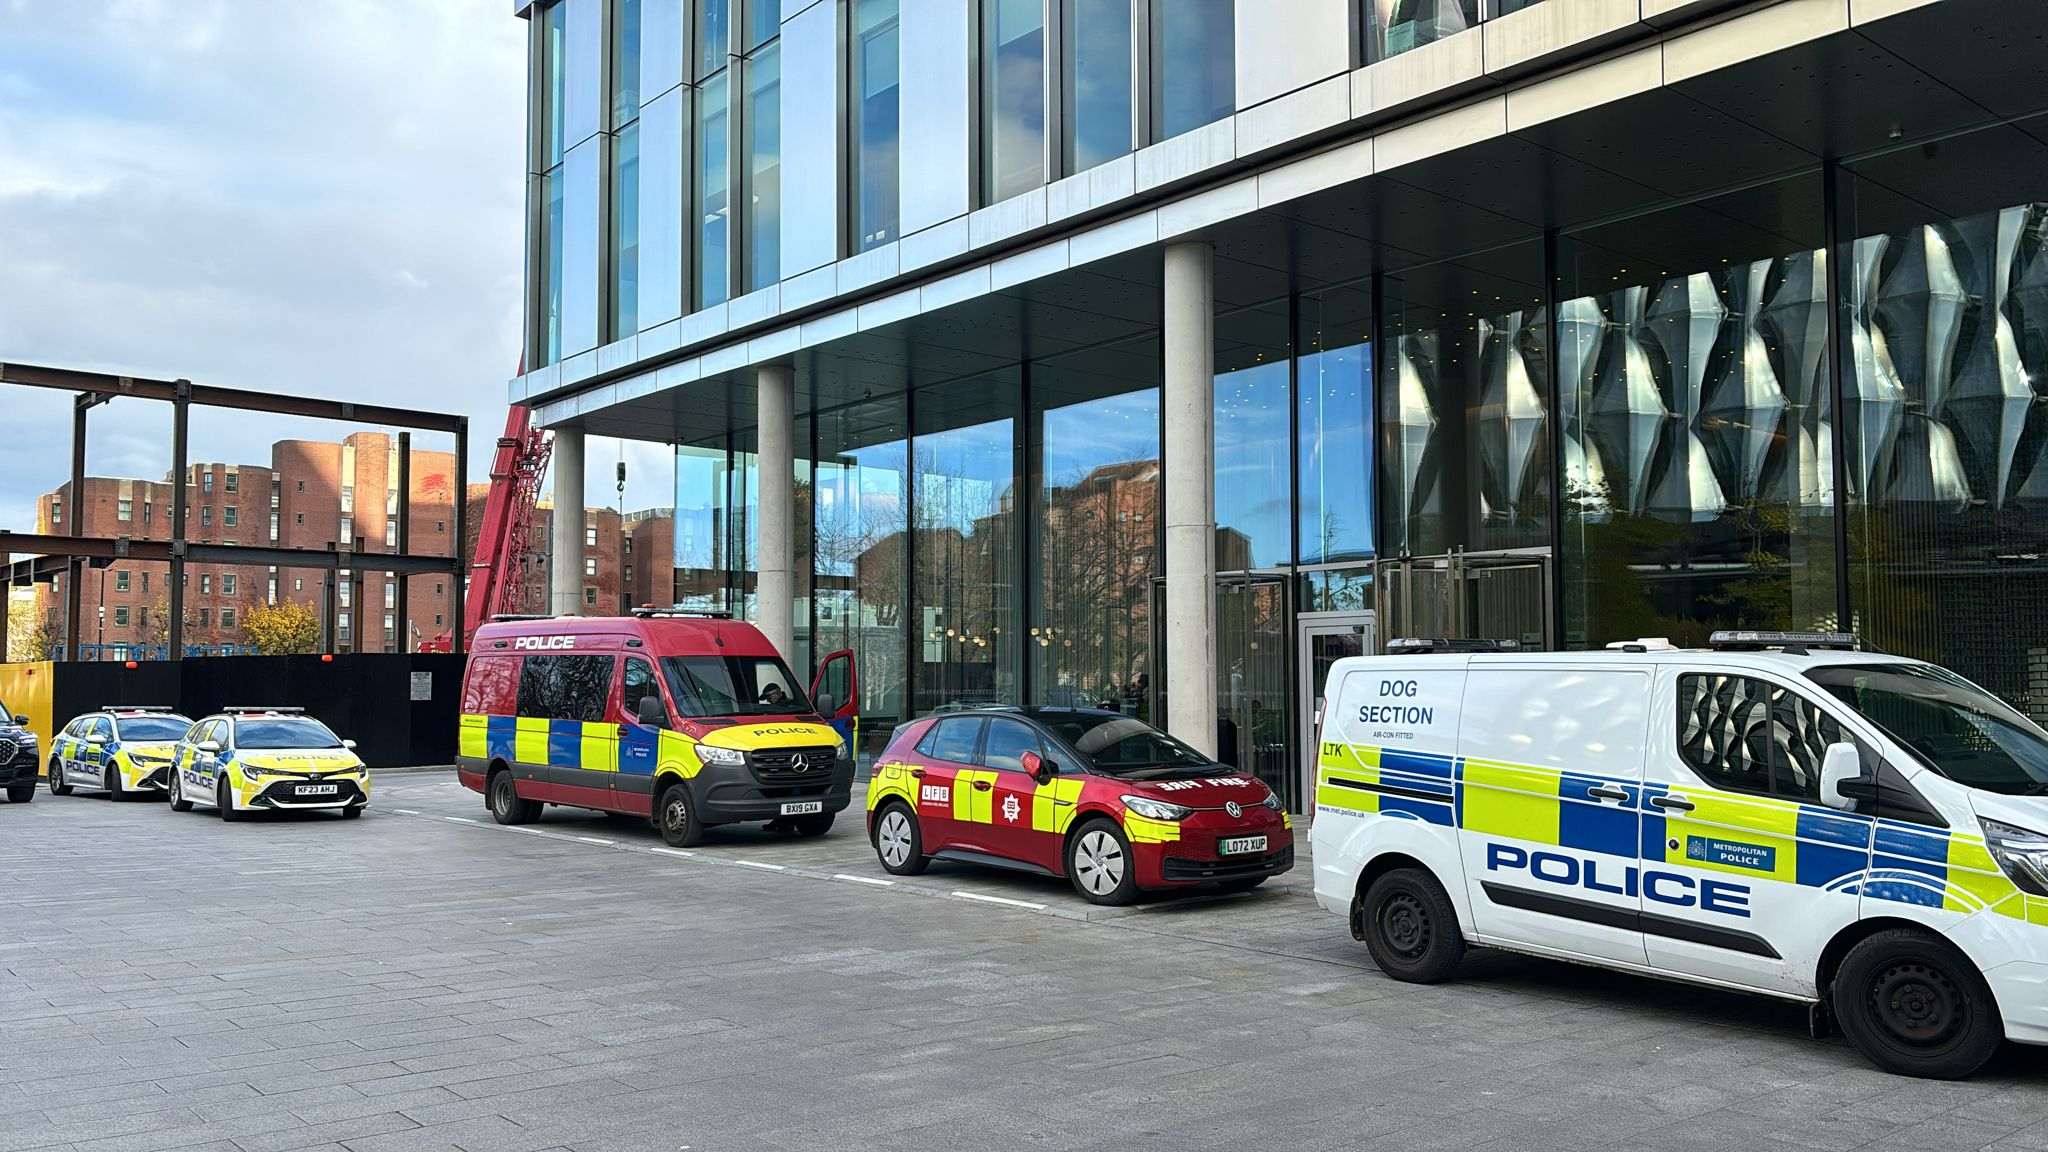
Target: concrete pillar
[(566, 565), (775, 386), (1190, 455)]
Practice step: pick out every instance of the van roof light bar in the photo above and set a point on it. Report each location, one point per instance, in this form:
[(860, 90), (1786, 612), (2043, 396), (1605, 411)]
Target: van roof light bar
[(509, 617), (648, 613), (1439, 645), (1793, 643)]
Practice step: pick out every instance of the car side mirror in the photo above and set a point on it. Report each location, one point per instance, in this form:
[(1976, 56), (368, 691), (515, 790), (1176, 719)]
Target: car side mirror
[(209, 746), (96, 738), (349, 744), (827, 706), (1039, 768), (1841, 765), (22, 721), (651, 711)]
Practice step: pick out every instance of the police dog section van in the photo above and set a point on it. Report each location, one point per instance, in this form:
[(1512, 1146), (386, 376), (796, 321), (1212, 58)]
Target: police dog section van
[(1780, 814), (689, 719)]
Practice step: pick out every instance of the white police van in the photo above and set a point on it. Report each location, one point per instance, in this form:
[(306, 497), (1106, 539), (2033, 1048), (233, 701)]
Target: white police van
[(1781, 813)]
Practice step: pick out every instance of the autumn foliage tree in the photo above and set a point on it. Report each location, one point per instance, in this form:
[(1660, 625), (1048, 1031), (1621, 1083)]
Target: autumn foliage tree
[(286, 628)]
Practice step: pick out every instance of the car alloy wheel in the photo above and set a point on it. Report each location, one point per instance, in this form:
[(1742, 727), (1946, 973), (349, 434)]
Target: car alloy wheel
[(1099, 862), (893, 838)]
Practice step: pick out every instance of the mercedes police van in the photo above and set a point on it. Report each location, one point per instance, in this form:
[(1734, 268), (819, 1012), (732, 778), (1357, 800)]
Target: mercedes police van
[(690, 719), (1782, 813)]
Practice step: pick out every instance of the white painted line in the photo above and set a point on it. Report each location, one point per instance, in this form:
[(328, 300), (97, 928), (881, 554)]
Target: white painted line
[(595, 840), (1000, 900), (758, 864), (864, 880), (671, 851), (459, 819), (405, 811)]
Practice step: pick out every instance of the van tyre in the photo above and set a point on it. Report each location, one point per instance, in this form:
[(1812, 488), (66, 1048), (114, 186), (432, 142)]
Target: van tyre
[(1100, 864), (178, 801), (1914, 1005), (506, 804), (898, 843), (58, 787), (1410, 927), (675, 817), (813, 825)]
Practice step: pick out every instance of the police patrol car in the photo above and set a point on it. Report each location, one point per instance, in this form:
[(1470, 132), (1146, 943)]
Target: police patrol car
[(1782, 814), (125, 751), (245, 759)]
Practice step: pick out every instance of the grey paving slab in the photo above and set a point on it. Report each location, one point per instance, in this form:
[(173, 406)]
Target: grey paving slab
[(423, 981)]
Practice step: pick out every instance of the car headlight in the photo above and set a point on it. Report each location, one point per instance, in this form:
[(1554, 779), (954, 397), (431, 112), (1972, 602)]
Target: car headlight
[(729, 757), (1152, 809), (1272, 800), (2021, 854)]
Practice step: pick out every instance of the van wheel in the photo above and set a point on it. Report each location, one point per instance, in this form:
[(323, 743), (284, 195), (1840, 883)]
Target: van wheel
[(813, 825), (1916, 1006), (506, 804), (57, 785), (898, 843), (675, 817), (1410, 927)]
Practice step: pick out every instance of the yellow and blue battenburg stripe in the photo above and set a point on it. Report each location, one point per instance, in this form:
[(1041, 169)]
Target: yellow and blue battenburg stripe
[(630, 749), (1751, 836)]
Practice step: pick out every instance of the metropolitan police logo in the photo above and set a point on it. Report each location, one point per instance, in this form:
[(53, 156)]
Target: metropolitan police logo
[(799, 763), (1231, 807)]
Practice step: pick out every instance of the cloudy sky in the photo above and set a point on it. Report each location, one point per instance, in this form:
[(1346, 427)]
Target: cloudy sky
[(303, 196)]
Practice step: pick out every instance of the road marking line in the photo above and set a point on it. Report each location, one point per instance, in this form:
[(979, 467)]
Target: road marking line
[(405, 811), (671, 851), (459, 819), (1000, 900), (758, 864), (595, 840), (864, 880)]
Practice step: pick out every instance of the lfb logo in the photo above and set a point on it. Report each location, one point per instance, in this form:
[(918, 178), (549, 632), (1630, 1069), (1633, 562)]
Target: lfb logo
[(1011, 808), (543, 643)]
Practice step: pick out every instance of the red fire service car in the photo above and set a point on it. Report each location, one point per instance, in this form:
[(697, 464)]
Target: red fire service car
[(1105, 800)]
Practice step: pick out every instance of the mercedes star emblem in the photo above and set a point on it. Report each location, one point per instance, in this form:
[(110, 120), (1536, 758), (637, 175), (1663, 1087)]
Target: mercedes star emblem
[(1231, 807), (800, 763)]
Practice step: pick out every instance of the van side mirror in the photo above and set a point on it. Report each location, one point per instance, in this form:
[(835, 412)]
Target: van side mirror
[(1039, 768), (1841, 764), (651, 711), (826, 705)]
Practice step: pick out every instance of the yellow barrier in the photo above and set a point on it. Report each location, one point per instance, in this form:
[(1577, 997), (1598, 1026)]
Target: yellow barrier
[(26, 690)]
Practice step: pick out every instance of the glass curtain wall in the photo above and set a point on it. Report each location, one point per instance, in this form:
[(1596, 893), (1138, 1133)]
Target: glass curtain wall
[(703, 516), (763, 122), (1012, 97), (714, 152), (1096, 83), (875, 73), (1396, 26), (860, 554), (965, 610), (1334, 516), (1194, 64), (625, 121), (1095, 451), (572, 46), (1699, 493)]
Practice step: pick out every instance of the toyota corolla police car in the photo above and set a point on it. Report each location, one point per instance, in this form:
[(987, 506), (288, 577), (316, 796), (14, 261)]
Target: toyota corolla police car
[(125, 751), (1105, 800), (248, 759), (1781, 813)]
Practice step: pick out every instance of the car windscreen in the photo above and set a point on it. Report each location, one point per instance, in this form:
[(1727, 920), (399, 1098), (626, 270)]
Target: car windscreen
[(260, 735), (1949, 724), (1120, 745), (152, 729), (732, 686)]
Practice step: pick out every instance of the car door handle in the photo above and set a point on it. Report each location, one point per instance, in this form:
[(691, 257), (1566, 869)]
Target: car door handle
[(982, 785), (1063, 803), (1603, 792), (1673, 803), (917, 772)]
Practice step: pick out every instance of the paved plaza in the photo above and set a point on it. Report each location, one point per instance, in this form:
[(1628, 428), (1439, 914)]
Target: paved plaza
[(423, 979)]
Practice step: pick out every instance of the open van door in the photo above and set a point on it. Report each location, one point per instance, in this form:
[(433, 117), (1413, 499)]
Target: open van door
[(836, 693)]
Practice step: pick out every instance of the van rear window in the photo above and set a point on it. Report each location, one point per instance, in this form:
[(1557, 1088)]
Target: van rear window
[(565, 687)]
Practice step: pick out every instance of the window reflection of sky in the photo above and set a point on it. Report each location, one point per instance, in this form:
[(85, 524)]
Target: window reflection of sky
[(1252, 486)]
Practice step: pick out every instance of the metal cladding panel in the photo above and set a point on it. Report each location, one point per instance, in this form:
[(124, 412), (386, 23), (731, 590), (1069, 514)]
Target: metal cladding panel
[(811, 82), (938, 76), (1283, 45)]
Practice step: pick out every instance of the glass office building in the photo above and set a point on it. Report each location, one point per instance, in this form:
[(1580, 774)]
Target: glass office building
[(1565, 321)]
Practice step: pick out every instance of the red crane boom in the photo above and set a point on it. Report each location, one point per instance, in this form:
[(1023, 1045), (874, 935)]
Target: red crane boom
[(517, 470)]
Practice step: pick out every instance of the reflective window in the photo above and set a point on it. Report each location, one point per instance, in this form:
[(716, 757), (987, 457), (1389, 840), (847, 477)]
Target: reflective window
[(1097, 451), (764, 167), (625, 62), (860, 561), (954, 740), (876, 71), (703, 510), (713, 206), (763, 22), (1194, 64), (1749, 735), (1006, 743), (555, 66), (661, 46), (714, 32), (1254, 514), (1397, 26), (964, 526), (812, 71), (1097, 83), (583, 48), (1012, 97), (579, 249), (659, 267), (1333, 419), (626, 232)]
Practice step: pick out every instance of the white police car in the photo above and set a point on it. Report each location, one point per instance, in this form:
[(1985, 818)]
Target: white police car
[(1780, 814), (124, 750), (249, 759)]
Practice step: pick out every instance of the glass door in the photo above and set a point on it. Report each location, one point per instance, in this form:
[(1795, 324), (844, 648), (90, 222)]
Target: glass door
[(1324, 641), (1252, 713)]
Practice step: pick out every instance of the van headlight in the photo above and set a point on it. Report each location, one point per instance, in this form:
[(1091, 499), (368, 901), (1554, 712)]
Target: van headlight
[(2022, 854), (1152, 809), (727, 757)]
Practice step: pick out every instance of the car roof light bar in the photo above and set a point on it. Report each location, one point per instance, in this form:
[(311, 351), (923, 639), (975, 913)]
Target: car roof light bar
[(128, 708), (257, 710)]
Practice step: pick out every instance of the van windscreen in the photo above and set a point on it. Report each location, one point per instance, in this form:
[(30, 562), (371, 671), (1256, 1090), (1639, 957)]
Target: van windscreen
[(732, 686), (1948, 723)]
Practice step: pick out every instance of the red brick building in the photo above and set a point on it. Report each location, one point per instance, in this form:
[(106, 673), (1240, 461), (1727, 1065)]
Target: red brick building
[(312, 495)]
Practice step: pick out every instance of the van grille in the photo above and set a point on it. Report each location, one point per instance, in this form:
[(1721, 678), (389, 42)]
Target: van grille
[(782, 763)]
